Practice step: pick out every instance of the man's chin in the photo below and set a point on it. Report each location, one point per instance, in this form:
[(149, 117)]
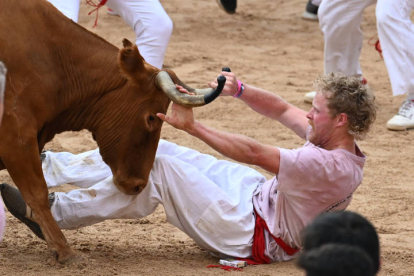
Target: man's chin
[(312, 139)]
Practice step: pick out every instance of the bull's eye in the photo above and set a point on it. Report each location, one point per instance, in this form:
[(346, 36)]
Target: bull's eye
[(151, 120)]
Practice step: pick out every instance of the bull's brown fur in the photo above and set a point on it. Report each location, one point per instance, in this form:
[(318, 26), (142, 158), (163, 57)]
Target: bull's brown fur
[(62, 77)]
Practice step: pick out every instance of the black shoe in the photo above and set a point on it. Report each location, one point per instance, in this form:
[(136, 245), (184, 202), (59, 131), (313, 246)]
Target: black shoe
[(228, 6), (311, 12), (42, 156), (14, 202)]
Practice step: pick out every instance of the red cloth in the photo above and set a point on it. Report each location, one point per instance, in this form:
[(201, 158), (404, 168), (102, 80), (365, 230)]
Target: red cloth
[(378, 47), (259, 244), (225, 267), (96, 6), (377, 44)]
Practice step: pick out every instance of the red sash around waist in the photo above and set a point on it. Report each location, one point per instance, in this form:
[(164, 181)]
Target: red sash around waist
[(259, 243)]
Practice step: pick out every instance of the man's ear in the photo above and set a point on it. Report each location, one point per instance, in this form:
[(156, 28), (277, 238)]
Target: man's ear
[(342, 119)]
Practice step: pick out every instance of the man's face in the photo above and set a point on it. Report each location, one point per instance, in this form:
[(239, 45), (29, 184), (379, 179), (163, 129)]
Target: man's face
[(321, 121)]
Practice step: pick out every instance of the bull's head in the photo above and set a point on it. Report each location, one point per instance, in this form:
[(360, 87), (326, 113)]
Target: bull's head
[(129, 140)]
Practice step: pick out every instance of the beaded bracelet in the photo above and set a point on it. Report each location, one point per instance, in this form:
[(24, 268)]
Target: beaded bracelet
[(240, 89)]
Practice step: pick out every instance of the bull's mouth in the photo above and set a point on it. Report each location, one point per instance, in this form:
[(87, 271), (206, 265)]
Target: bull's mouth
[(131, 186)]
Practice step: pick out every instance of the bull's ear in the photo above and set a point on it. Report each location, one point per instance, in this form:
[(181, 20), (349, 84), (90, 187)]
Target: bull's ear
[(126, 43), (131, 61)]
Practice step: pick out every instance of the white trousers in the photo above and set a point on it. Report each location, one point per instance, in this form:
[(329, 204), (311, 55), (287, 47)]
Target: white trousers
[(2, 220), (340, 22), (316, 2), (151, 24), (209, 199)]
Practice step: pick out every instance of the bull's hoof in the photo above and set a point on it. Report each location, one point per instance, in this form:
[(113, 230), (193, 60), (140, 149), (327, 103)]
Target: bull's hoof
[(69, 257), (66, 259), (14, 202)]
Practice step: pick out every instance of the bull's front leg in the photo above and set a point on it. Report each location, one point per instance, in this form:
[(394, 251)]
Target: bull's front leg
[(24, 167)]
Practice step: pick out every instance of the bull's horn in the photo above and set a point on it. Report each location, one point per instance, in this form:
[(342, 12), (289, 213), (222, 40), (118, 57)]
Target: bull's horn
[(199, 91), (201, 97)]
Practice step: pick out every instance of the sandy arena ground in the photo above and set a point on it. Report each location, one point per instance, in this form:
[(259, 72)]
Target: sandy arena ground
[(268, 45)]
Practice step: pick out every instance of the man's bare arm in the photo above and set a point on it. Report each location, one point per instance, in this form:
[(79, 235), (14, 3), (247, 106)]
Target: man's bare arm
[(268, 104), (237, 147)]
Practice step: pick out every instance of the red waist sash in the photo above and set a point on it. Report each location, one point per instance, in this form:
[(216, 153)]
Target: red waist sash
[(259, 243)]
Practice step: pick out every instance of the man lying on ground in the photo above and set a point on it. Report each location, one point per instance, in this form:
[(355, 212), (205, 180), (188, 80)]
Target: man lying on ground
[(227, 208)]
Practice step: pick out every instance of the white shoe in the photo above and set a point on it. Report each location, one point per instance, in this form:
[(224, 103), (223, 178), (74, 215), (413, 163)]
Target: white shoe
[(310, 16), (310, 96), (405, 117)]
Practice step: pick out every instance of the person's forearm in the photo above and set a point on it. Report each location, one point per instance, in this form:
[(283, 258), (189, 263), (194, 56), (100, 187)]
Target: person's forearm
[(237, 147), (264, 102), (271, 105)]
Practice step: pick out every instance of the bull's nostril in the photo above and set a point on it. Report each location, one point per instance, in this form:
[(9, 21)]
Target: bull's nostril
[(137, 189)]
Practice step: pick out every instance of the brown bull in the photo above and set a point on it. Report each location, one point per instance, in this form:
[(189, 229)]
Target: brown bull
[(62, 77)]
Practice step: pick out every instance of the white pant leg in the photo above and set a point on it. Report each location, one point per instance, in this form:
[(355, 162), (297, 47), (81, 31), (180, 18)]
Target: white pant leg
[(340, 22), (316, 2), (83, 207), (396, 35), (2, 220), (151, 24), (87, 169), (212, 202), (83, 170), (70, 8)]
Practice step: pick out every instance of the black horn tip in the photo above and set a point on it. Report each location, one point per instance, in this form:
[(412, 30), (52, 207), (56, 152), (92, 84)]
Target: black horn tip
[(226, 69), (221, 79)]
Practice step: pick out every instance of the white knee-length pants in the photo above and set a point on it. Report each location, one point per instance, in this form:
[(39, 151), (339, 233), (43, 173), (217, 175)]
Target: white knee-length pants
[(340, 22), (151, 24), (2, 220), (316, 2), (209, 199)]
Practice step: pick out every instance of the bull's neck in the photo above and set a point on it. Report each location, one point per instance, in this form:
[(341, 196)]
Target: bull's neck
[(89, 71)]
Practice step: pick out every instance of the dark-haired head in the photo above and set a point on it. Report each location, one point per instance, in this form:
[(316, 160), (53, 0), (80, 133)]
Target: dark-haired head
[(343, 227), (336, 259)]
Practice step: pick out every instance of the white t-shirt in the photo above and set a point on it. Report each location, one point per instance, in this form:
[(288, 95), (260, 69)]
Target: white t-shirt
[(311, 180)]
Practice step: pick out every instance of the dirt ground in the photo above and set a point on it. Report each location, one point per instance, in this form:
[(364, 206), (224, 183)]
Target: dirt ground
[(266, 44)]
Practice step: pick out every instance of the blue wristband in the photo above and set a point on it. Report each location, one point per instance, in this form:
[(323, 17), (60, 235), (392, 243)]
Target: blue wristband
[(241, 90)]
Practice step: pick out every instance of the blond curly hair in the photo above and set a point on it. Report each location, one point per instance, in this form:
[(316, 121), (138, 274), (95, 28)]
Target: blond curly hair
[(350, 96)]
